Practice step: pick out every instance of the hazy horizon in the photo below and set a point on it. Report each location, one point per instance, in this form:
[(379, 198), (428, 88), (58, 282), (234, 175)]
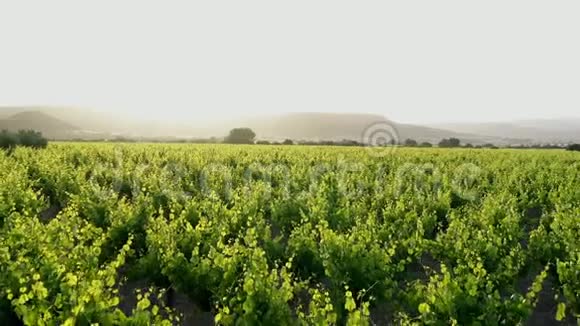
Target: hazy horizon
[(424, 63), (234, 118)]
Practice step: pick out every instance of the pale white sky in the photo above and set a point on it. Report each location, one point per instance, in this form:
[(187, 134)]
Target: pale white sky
[(413, 61)]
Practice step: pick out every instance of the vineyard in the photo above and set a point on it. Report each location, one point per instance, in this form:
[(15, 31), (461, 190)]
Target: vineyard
[(175, 234)]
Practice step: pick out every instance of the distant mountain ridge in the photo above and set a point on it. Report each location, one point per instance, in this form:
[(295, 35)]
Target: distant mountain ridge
[(547, 130), (82, 119), (75, 123), (39, 121), (352, 126)]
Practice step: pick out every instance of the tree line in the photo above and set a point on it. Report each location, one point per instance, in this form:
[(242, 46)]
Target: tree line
[(247, 136), (35, 139)]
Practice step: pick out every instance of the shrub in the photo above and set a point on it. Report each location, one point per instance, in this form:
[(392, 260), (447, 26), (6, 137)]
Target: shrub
[(31, 138), (8, 140), (240, 136), (451, 142), (410, 142), (573, 147)]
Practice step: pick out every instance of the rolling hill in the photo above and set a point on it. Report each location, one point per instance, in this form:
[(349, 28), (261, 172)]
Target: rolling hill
[(339, 126), (39, 121), (76, 123), (545, 131)]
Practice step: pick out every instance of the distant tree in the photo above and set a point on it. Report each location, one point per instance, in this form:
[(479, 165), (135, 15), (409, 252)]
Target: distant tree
[(263, 142), (8, 140), (240, 136), (343, 142), (410, 142), (31, 138), (425, 144), (350, 142), (573, 147), (27, 138), (488, 145), (451, 142), (288, 142), (468, 145)]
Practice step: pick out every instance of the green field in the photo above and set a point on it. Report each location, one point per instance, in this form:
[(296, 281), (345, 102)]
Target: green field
[(139, 234)]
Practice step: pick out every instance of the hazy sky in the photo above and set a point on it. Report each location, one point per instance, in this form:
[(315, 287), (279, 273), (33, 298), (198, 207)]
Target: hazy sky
[(413, 61)]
